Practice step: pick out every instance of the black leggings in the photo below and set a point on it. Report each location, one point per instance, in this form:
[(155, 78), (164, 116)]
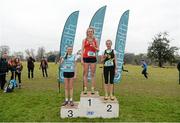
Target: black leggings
[(30, 70), (12, 75), (144, 72), (108, 70), (19, 76), (2, 80), (44, 70)]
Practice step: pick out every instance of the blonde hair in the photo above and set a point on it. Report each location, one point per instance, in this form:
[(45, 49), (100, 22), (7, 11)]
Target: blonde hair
[(89, 29)]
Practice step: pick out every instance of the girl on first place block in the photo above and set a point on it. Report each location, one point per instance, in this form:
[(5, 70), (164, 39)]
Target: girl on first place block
[(88, 58)]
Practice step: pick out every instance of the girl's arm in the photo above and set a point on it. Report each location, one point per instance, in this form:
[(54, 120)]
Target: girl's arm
[(115, 61), (96, 46), (103, 57), (75, 74), (21, 67), (82, 50), (61, 60)]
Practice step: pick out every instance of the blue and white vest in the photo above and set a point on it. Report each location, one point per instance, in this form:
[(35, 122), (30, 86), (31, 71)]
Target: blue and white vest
[(69, 64)]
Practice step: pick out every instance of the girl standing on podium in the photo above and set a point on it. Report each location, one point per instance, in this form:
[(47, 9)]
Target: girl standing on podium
[(69, 73), (88, 58), (109, 61)]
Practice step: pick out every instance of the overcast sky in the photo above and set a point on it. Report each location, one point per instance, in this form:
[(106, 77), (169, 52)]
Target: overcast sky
[(26, 24)]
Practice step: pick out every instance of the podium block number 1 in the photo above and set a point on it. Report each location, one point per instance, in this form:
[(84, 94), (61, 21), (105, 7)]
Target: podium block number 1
[(70, 113), (109, 108), (89, 102)]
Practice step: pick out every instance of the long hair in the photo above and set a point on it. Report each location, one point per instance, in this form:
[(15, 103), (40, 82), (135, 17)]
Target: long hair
[(92, 30), (66, 55), (67, 52), (16, 61)]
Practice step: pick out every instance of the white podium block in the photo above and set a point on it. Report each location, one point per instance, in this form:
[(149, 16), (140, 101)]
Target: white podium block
[(92, 106), (89, 105), (110, 108), (69, 111)]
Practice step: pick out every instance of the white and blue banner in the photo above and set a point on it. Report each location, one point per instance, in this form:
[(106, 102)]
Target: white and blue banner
[(67, 38), (120, 44), (97, 22)]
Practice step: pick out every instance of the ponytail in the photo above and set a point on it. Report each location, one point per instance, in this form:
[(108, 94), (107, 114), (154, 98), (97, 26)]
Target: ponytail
[(66, 55)]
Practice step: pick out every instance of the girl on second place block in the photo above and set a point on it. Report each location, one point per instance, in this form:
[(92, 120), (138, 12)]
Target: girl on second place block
[(109, 61)]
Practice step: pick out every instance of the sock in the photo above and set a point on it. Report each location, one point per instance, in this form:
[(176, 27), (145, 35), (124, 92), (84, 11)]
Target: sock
[(106, 94), (111, 94), (66, 99), (85, 88), (71, 99)]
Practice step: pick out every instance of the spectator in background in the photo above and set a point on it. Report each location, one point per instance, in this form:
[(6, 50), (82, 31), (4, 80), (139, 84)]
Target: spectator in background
[(19, 68), (44, 66), (12, 67), (30, 66), (178, 67), (144, 71), (3, 70), (124, 69)]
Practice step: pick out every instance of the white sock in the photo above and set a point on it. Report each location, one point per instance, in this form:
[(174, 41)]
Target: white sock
[(71, 99), (66, 99)]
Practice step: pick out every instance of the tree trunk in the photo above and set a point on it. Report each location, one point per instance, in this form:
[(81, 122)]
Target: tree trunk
[(160, 63)]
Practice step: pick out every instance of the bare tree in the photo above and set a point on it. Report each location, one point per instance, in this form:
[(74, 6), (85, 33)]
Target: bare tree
[(27, 51), (19, 55), (40, 53), (4, 49), (30, 52)]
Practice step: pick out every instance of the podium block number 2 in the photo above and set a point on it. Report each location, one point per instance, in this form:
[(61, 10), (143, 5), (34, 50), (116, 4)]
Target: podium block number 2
[(109, 108), (70, 113)]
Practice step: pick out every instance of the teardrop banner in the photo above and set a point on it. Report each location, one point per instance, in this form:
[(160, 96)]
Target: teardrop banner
[(67, 38), (120, 44)]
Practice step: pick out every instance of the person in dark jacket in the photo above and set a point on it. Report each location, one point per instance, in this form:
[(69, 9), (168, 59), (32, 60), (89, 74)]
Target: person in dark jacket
[(30, 66), (178, 67), (44, 66), (3, 70)]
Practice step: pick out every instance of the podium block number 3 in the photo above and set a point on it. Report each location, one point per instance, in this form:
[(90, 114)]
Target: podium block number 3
[(70, 113), (89, 102), (109, 108)]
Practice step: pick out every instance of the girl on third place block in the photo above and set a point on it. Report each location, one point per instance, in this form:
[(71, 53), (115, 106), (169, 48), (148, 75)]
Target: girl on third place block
[(69, 73), (109, 60), (88, 58)]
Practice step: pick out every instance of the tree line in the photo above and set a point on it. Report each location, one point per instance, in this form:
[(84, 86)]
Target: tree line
[(41, 52), (159, 53)]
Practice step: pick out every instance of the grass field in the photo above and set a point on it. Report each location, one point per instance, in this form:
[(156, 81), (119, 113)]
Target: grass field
[(155, 99)]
